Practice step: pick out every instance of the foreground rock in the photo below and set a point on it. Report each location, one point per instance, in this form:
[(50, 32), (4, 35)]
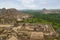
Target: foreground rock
[(28, 32)]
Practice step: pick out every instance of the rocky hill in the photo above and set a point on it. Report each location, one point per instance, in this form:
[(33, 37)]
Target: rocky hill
[(10, 15)]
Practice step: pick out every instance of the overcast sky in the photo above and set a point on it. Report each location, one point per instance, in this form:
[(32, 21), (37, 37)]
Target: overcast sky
[(30, 4)]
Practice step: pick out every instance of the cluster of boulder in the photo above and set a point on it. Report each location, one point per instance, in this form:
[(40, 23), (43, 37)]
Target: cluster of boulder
[(28, 31)]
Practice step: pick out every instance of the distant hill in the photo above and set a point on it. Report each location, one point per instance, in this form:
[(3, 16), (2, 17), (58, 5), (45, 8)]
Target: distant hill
[(43, 11), (51, 11)]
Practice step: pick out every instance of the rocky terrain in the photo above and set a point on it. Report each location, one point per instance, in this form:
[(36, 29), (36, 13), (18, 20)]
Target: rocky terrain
[(28, 31)]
